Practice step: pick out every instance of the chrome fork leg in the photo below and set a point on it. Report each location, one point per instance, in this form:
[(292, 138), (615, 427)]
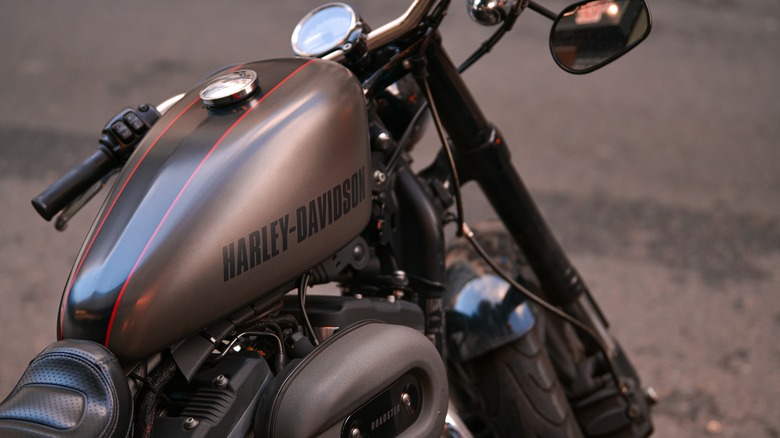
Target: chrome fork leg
[(454, 427)]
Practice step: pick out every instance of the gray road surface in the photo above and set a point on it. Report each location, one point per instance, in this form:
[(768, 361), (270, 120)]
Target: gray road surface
[(659, 173)]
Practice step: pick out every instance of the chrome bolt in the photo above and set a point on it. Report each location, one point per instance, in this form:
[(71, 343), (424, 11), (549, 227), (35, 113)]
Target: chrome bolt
[(221, 381), (379, 177), (355, 433), (406, 399), (358, 252), (407, 65), (623, 388), (383, 141), (190, 423), (651, 395), (346, 47)]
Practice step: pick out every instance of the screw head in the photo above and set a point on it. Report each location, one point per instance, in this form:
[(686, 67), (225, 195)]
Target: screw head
[(383, 141), (221, 381), (358, 252), (406, 399), (190, 423), (355, 433), (623, 388), (379, 177), (651, 394), (346, 47)]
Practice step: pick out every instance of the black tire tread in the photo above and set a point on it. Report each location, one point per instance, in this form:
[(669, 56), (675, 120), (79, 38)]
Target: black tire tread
[(514, 391)]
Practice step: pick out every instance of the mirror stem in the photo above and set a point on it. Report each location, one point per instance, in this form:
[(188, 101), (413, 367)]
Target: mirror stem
[(536, 7)]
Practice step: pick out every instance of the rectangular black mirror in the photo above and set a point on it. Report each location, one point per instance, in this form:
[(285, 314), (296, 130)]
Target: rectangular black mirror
[(590, 34)]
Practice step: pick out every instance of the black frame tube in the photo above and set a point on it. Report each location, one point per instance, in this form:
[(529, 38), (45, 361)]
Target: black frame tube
[(423, 251)]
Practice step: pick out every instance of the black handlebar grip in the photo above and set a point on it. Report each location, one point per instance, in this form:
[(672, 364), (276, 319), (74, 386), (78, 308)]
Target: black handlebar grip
[(58, 195)]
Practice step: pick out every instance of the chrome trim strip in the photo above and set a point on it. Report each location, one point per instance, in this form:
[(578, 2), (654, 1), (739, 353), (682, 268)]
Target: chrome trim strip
[(165, 106)]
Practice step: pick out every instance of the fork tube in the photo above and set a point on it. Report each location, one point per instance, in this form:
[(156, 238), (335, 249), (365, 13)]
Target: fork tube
[(482, 155)]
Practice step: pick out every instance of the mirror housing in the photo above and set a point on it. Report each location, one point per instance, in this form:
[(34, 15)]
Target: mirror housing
[(590, 34)]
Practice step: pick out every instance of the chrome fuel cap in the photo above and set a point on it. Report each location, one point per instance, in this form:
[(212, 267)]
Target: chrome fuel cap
[(229, 88)]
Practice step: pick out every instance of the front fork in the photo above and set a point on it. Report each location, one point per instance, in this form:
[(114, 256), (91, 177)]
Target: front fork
[(481, 155)]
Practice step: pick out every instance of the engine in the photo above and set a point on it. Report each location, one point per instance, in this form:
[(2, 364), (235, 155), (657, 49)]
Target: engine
[(369, 378)]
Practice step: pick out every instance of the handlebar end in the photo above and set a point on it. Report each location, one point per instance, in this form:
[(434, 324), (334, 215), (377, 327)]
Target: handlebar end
[(42, 208)]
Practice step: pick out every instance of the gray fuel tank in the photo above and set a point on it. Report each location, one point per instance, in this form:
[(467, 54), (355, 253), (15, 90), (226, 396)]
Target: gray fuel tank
[(218, 207)]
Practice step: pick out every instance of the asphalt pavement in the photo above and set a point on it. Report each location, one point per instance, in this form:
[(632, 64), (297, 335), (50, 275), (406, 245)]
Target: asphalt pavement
[(658, 173)]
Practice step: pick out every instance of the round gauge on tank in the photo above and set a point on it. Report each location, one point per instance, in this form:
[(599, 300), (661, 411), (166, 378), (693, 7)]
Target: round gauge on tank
[(324, 29), (229, 88)]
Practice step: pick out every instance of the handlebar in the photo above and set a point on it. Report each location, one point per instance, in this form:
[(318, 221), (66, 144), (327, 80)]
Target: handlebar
[(66, 189), (110, 156), (119, 138)]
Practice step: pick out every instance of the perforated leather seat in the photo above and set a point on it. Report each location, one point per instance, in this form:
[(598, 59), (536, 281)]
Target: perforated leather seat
[(72, 388)]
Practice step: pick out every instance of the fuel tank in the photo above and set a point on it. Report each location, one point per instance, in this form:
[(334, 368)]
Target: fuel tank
[(221, 205)]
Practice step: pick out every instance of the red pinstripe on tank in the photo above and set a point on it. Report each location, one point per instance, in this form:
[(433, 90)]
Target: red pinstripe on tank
[(183, 189)]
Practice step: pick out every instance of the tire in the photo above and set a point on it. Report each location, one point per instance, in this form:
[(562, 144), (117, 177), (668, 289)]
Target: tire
[(514, 390)]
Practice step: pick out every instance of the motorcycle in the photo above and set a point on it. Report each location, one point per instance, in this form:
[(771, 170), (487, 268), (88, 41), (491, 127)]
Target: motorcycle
[(187, 311)]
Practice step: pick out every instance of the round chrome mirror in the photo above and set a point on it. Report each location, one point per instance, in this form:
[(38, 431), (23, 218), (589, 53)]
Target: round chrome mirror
[(489, 12)]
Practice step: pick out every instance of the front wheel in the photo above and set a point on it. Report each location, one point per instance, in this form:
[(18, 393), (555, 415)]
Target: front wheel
[(513, 390)]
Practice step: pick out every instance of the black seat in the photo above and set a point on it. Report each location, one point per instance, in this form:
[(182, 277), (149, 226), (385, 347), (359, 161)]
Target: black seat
[(72, 388)]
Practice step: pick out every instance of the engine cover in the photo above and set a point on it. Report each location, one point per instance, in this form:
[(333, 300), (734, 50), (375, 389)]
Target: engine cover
[(371, 379)]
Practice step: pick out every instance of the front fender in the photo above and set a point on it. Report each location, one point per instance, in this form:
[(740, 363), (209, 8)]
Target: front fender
[(483, 313)]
